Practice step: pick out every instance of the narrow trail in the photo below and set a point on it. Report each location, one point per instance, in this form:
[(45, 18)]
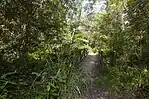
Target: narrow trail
[(91, 70)]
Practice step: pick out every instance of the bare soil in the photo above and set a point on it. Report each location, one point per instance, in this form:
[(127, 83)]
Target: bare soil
[(92, 68)]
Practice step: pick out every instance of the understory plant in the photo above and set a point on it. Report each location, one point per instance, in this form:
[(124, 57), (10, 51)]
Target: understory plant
[(56, 77), (126, 82)]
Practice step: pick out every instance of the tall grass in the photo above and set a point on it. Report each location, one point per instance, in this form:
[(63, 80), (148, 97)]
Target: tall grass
[(126, 82), (52, 74)]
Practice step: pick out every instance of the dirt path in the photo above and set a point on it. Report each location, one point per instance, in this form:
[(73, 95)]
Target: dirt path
[(91, 71)]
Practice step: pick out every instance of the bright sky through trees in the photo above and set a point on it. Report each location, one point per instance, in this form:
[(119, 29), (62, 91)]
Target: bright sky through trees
[(97, 7)]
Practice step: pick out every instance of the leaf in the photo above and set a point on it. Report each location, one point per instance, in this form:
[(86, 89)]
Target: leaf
[(84, 47), (13, 83), (48, 87), (37, 97), (35, 73), (5, 75)]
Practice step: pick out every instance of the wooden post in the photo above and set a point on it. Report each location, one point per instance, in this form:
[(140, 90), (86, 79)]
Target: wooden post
[(100, 58)]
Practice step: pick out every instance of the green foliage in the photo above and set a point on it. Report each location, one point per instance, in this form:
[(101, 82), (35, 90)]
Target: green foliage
[(125, 81), (40, 50), (42, 45), (52, 72), (121, 32)]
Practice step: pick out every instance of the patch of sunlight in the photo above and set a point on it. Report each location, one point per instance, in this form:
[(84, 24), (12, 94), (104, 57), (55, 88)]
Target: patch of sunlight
[(92, 53)]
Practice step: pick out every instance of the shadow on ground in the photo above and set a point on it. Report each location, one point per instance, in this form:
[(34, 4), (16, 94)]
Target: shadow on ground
[(92, 68)]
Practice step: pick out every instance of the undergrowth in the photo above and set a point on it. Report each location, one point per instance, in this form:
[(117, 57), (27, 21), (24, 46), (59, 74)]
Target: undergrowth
[(47, 76), (128, 82)]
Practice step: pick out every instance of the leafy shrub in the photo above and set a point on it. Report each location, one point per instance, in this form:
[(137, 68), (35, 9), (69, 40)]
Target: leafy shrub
[(126, 81), (54, 74)]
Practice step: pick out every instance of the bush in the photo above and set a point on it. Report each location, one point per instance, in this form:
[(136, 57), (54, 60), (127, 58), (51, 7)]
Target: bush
[(126, 81), (54, 74)]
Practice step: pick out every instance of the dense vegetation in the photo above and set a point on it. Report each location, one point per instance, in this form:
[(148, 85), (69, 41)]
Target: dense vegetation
[(40, 50), (122, 32), (42, 46)]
